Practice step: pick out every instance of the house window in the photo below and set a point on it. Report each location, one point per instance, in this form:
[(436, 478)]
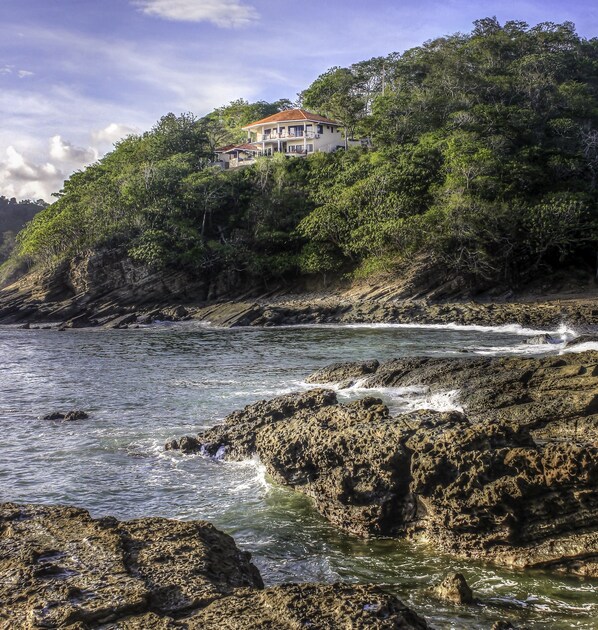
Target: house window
[(296, 131), (320, 128), (267, 132)]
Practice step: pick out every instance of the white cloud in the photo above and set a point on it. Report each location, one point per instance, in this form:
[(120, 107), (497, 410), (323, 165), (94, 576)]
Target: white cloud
[(223, 13), (112, 133), (6, 69), (23, 74), (23, 178), (64, 151)]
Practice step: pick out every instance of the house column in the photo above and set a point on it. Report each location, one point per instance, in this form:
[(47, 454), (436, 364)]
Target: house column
[(304, 137)]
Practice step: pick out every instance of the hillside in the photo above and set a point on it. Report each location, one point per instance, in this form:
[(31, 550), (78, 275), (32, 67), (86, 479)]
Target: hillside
[(13, 217), (483, 179)]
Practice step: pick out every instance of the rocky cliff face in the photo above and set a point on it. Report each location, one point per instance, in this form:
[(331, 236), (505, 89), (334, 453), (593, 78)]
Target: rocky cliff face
[(96, 287), (515, 481), (61, 568)]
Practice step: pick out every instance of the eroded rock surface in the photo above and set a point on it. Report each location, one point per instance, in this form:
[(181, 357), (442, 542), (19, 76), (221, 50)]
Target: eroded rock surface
[(484, 486), (61, 568), (453, 589), (312, 606), (554, 396)]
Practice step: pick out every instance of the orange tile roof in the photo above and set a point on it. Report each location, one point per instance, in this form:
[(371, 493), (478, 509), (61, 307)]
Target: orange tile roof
[(292, 115)]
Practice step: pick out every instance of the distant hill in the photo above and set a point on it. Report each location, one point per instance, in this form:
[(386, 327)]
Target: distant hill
[(13, 216)]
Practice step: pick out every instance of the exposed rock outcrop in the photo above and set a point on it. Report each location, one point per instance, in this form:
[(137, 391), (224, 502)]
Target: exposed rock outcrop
[(554, 396), (62, 568), (316, 606), (479, 486)]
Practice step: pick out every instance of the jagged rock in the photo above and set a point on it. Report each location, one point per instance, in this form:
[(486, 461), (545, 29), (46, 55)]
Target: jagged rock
[(453, 589), (344, 373), (61, 568), (236, 436), (550, 395), (577, 341)]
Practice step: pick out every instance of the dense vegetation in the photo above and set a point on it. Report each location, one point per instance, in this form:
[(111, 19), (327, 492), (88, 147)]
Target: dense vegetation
[(485, 165), (13, 216)]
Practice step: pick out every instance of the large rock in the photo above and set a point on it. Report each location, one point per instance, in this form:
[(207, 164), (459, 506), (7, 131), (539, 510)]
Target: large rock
[(473, 487), (61, 568), (453, 589)]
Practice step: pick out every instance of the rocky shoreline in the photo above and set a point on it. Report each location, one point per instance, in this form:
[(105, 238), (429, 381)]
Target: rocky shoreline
[(106, 288), (512, 479)]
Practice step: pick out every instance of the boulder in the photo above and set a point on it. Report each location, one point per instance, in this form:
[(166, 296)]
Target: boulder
[(453, 589), (542, 339)]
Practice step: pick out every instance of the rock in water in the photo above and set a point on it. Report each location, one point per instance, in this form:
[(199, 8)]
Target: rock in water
[(539, 340), (61, 568), (69, 416), (454, 589)]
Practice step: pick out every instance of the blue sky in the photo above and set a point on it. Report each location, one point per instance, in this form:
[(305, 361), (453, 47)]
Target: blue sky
[(75, 75)]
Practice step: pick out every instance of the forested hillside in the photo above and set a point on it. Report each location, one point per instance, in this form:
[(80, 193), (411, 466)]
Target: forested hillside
[(485, 166), (13, 216)]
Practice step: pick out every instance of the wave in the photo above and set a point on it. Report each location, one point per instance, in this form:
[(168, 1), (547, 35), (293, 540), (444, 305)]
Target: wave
[(514, 329), (581, 347)]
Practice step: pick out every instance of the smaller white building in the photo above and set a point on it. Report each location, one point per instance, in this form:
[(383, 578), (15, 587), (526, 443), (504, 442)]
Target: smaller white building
[(234, 155)]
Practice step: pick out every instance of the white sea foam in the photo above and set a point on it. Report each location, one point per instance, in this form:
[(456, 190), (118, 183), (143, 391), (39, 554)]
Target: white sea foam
[(437, 401), (401, 399), (581, 347), (513, 329), (257, 475)]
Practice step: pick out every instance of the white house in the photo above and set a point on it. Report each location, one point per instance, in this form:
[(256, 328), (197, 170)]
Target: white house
[(293, 132)]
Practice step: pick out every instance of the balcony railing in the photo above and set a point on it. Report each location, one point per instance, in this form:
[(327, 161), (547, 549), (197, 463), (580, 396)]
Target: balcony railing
[(285, 135)]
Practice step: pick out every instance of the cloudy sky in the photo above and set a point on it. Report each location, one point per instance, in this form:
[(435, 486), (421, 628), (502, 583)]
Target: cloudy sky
[(76, 75)]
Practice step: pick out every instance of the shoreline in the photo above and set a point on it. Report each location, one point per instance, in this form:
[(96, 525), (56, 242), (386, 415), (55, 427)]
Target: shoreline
[(545, 314)]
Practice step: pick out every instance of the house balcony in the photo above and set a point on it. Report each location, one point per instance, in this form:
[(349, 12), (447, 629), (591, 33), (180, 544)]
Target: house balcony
[(285, 135)]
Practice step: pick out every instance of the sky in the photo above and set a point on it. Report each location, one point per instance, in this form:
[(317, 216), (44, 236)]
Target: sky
[(77, 75)]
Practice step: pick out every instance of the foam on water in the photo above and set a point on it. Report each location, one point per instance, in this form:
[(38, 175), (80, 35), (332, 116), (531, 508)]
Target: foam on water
[(513, 329), (582, 347)]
